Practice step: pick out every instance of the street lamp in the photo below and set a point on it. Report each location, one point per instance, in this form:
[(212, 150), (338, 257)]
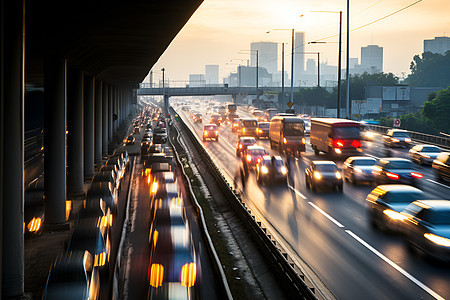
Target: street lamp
[(339, 59), (292, 62)]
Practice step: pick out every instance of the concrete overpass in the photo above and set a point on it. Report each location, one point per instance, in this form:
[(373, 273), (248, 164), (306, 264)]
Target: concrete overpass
[(86, 57)]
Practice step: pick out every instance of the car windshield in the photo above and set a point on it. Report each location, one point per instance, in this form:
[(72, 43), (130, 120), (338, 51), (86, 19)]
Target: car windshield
[(326, 168), (430, 149), (210, 127), (399, 165), (264, 125), (248, 141), (364, 162), (278, 163), (441, 217), (293, 129), (402, 197), (346, 132), (249, 123), (257, 152), (400, 134)]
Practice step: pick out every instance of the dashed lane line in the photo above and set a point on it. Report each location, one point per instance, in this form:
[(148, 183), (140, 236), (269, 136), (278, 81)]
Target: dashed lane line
[(326, 215)]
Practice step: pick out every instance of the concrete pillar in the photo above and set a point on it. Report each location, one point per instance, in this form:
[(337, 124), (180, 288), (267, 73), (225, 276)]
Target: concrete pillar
[(110, 112), (105, 126), (75, 126), (98, 122), (55, 72), (166, 104), (116, 109), (12, 152), (89, 91)]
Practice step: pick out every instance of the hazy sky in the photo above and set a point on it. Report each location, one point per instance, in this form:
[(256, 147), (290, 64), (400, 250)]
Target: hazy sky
[(219, 29)]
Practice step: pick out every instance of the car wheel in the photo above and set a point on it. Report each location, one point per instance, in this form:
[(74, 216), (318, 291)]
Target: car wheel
[(340, 188), (312, 187), (316, 151), (217, 139)]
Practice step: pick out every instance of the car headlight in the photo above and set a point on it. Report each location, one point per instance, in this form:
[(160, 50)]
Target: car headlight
[(393, 214), (317, 175), (264, 170), (337, 150), (358, 170), (34, 225), (303, 141), (338, 175), (283, 170), (240, 146), (249, 158), (408, 140), (395, 140), (284, 140), (438, 240)]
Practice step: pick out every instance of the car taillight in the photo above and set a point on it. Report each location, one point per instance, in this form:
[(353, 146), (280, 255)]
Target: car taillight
[(217, 132), (284, 140), (338, 143), (356, 144), (416, 175), (249, 158), (258, 160), (188, 274), (303, 141), (156, 275), (392, 175), (240, 146)]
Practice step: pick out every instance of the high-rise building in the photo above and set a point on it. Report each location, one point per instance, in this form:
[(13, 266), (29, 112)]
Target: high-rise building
[(196, 80), (212, 74), (268, 55), (440, 44), (311, 66), (299, 57), (372, 58)]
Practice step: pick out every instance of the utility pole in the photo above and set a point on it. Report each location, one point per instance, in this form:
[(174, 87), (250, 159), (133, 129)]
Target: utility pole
[(339, 66), (292, 68), (347, 76)]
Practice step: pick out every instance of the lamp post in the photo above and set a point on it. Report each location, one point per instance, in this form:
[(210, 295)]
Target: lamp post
[(292, 64), (347, 76), (339, 59)]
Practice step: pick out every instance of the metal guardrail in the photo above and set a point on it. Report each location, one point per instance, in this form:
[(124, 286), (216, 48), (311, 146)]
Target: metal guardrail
[(293, 283), (417, 136)]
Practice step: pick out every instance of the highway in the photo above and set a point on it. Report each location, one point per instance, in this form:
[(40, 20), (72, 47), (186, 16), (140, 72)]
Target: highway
[(328, 234)]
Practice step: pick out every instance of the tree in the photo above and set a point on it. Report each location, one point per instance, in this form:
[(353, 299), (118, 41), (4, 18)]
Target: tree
[(430, 70), (358, 83), (437, 111)]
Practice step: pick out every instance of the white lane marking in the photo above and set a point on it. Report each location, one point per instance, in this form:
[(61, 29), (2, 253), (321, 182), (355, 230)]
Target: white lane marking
[(395, 266), (297, 192), (326, 215), (223, 139), (438, 183)]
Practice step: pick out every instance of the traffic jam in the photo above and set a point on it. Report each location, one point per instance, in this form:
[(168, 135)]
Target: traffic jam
[(269, 142)]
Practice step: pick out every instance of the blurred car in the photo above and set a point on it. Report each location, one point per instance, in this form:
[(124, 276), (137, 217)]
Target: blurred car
[(358, 168), (271, 170), (252, 156), (119, 163), (397, 138), (197, 118), (243, 143), (367, 134), (211, 131), (129, 140), (73, 276), (235, 125), (307, 126), (441, 166), (107, 176), (145, 145), (155, 158), (386, 202), (424, 154), (263, 130), (125, 158), (323, 173), (232, 116), (216, 119), (426, 227), (160, 135), (395, 170), (105, 191), (33, 212), (91, 235)]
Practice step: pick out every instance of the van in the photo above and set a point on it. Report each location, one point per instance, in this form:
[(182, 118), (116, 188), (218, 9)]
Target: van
[(336, 137), (287, 134), (247, 127)]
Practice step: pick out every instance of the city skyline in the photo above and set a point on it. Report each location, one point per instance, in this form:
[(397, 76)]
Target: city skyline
[(219, 30)]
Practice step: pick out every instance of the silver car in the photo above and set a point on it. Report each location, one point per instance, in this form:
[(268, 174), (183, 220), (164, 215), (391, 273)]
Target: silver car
[(424, 154), (359, 168)]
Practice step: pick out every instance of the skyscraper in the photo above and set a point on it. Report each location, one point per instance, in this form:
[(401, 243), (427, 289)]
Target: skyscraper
[(212, 74), (299, 57), (372, 59), (268, 55), (440, 44)]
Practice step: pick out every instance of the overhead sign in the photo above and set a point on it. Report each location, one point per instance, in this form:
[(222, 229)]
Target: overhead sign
[(397, 123)]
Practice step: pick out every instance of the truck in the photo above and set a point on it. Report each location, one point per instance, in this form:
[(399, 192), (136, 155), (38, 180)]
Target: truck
[(231, 108), (270, 113), (287, 135), (336, 137)]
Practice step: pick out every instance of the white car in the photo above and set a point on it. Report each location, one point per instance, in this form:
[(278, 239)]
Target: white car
[(424, 154)]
